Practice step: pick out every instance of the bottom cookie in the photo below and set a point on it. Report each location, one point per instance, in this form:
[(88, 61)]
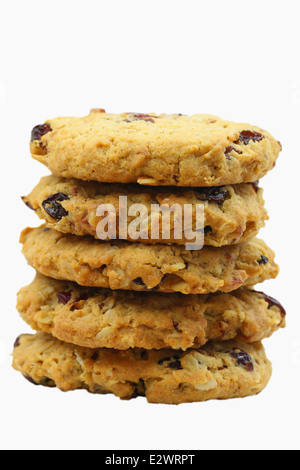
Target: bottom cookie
[(216, 371)]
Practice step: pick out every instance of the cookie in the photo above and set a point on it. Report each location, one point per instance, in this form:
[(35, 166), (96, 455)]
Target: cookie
[(174, 150), (98, 317), (140, 267), (233, 214), (216, 371)]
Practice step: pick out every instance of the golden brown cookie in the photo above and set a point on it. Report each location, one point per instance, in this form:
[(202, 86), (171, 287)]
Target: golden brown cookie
[(233, 214), (216, 371), (98, 317), (174, 150), (140, 267)]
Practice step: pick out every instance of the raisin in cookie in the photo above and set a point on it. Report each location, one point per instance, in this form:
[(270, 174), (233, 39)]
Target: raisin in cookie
[(174, 150), (140, 267), (98, 317), (233, 214)]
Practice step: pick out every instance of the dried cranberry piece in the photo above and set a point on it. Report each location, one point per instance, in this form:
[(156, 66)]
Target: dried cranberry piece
[(246, 136), (53, 208), (64, 297), (243, 359), (40, 130), (174, 362), (83, 296), (30, 379), (139, 281), (214, 193), (230, 149), (263, 260), (97, 110), (176, 325), (175, 365), (17, 342), (140, 117), (27, 203), (255, 186), (140, 389), (272, 302), (161, 361), (144, 117), (207, 229), (46, 381)]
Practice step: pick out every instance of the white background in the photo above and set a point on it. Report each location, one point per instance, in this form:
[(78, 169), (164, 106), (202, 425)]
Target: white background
[(236, 59)]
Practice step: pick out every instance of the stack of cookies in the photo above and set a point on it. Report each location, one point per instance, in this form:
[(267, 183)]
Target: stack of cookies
[(149, 315)]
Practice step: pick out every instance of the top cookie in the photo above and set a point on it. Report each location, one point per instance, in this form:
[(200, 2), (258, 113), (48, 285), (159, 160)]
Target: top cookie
[(198, 150)]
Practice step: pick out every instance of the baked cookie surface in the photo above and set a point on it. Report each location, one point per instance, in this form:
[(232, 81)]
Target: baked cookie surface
[(121, 320), (140, 267), (233, 214), (174, 150), (216, 371)]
